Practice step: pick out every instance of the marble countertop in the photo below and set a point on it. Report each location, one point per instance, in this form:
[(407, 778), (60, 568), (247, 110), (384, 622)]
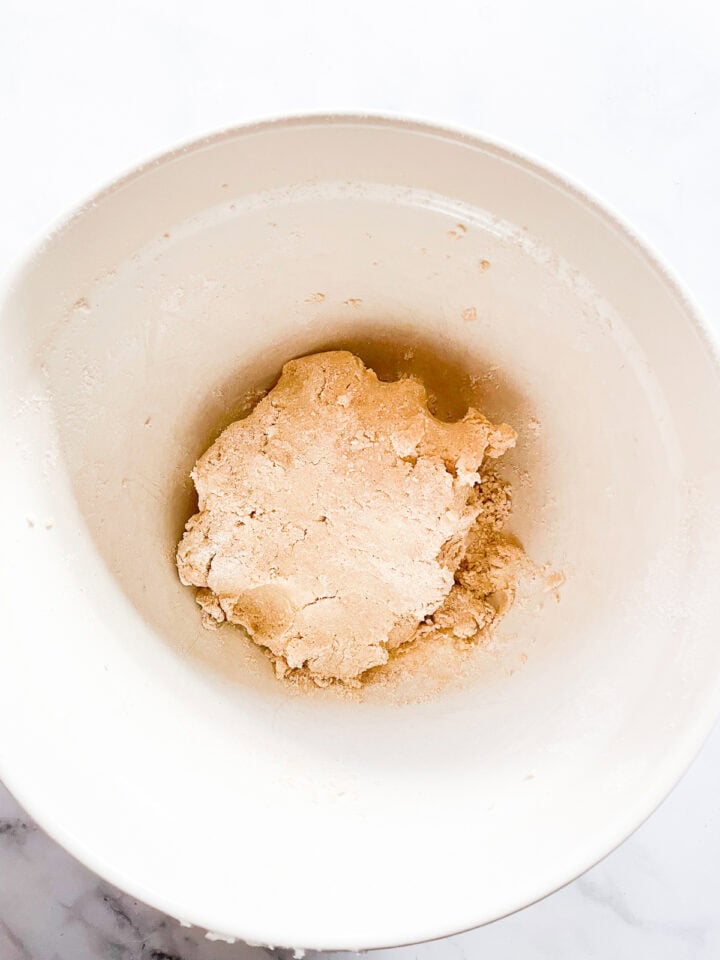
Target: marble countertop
[(623, 96)]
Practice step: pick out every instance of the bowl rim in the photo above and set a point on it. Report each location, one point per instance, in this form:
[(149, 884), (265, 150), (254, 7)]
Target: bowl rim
[(419, 123), (696, 733)]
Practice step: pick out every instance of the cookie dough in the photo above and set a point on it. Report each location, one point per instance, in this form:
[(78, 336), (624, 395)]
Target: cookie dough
[(340, 519)]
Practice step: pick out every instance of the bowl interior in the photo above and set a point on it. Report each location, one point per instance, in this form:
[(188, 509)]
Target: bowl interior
[(168, 758)]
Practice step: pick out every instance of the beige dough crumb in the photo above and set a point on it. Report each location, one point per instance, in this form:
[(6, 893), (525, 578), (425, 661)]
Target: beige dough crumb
[(341, 520)]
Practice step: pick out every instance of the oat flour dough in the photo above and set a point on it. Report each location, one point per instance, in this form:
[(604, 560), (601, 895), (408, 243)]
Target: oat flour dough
[(340, 520)]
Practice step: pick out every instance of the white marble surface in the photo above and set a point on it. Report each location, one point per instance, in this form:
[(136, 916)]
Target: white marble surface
[(625, 100)]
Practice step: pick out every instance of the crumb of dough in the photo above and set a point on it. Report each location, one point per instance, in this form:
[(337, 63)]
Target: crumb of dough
[(341, 523)]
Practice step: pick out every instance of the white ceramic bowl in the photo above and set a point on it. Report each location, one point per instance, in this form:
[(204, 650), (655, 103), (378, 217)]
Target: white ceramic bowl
[(174, 765)]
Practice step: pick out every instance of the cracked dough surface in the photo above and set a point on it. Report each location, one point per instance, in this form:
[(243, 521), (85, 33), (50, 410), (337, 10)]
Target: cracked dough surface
[(340, 519)]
